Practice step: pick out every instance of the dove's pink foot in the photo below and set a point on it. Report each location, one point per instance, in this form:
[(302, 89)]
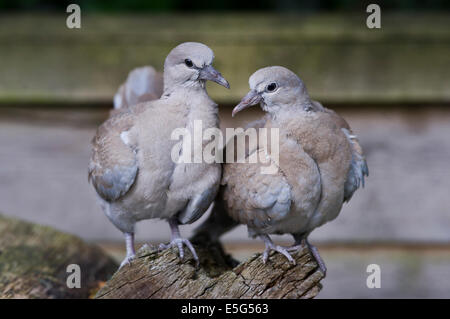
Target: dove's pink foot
[(294, 248), (300, 241), (129, 242), (271, 246), (315, 253), (178, 242)]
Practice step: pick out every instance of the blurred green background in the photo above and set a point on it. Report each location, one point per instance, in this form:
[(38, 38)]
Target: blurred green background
[(391, 84), (223, 5)]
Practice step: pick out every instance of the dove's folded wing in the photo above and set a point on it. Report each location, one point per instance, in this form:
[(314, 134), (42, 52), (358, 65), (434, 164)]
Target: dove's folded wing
[(198, 205), (255, 199), (358, 167), (113, 165)]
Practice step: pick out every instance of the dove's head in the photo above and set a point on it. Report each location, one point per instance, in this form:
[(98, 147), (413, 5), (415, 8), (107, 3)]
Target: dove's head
[(275, 88), (189, 65)]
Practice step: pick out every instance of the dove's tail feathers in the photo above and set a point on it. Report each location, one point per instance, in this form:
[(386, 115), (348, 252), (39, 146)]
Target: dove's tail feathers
[(143, 84), (217, 223)]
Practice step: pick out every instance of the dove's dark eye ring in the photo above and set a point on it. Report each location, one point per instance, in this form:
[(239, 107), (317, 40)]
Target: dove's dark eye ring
[(271, 87), (188, 63)]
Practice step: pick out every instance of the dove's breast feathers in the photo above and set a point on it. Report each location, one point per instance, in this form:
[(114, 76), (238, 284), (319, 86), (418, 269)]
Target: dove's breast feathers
[(316, 161), (140, 139), (274, 203)]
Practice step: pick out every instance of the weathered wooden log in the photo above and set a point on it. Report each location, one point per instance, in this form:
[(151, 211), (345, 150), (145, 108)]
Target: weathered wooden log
[(34, 260), (156, 274)]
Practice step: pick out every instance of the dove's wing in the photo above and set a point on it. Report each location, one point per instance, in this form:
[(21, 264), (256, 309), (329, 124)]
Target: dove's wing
[(198, 205), (358, 167), (255, 199), (113, 165)]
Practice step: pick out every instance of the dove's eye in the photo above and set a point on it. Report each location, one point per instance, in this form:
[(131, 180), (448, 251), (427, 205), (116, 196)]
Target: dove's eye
[(271, 87), (188, 63)]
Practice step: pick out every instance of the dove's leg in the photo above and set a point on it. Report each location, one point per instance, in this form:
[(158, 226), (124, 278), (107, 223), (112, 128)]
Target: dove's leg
[(315, 253), (129, 243), (298, 244), (271, 246), (178, 241), (300, 241)]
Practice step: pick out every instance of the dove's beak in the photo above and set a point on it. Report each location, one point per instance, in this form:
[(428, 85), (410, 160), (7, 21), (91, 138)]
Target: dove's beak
[(252, 98), (211, 74)]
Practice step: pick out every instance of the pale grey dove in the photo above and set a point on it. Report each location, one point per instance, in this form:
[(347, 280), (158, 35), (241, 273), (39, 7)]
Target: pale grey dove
[(321, 164), (143, 84), (132, 168)]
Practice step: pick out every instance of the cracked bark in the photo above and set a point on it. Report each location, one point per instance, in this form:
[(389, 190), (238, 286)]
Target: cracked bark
[(34, 260), (156, 274)]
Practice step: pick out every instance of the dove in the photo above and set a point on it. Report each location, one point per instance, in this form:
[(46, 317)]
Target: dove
[(143, 84), (132, 167), (320, 166)]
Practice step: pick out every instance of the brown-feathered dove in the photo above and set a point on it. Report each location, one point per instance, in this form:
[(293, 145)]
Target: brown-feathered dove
[(320, 166), (132, 167)]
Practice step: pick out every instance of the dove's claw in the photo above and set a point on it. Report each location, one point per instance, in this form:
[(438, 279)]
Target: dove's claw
[(271, 246), (178, 242), (316, 256), (127, 260), (129, 242), (294, 248)]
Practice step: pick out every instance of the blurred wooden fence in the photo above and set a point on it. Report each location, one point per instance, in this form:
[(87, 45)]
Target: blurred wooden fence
[(340, 59)]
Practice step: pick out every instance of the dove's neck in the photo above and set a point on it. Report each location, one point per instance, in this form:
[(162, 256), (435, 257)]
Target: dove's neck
[(192, 86), (286, 112), (188, 93), (195, 102)]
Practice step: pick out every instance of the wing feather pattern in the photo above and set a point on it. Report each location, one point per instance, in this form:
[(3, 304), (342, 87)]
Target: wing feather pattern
[(113, 166)]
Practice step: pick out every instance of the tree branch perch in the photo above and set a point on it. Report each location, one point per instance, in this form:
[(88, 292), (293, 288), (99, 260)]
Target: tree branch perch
[(156, 274)]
